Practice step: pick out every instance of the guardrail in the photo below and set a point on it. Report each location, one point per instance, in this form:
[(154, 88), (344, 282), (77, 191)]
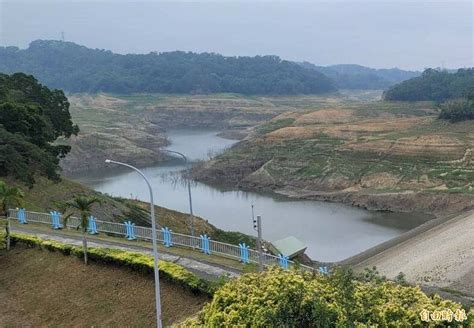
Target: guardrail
[(204, 243)]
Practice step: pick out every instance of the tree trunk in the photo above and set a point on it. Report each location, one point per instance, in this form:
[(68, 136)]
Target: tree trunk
[(84, 246), (7, 229)]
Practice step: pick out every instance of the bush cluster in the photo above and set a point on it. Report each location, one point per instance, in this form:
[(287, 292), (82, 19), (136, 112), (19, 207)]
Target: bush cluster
[(279, 298), (135, 261), (457, 110)]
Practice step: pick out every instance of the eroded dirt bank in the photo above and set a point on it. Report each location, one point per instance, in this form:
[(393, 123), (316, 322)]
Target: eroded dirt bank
[(408, 202), (380, 156)]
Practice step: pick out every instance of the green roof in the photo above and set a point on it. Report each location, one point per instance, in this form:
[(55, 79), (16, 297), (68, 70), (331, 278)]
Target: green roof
[(290, 246)]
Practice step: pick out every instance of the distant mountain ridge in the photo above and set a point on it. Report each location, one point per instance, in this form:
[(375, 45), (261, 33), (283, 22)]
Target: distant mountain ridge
[(352, 76), (76, 68)]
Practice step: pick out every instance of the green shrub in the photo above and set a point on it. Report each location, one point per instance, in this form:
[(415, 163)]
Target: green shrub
[(457, 110), (279, 298), (275, 125), (135, 261)]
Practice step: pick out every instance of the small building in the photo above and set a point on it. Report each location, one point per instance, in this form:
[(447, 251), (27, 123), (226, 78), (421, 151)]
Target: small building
[(289, 246)]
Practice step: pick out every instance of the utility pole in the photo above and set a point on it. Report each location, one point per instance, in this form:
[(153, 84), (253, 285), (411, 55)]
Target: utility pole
[(257, 225), (253, 217), (154, 238), (190, 198)]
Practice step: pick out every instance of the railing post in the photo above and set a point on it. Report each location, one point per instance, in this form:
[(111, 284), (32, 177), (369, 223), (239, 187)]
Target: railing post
[(244, 253), (205, 244), (21, 216), (92, 225), (323, 270), (55, 220), (130, 227), (166, 237), (283, 261)]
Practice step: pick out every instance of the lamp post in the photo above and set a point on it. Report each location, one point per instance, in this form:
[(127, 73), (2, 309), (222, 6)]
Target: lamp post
[(191, 215), (155, 246)]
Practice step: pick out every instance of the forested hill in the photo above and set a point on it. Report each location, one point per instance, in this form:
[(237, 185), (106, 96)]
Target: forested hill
[(76, 68), (347, 76), (435, 85)]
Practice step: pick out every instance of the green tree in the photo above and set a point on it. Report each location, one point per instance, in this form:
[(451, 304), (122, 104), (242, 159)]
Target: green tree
[(9, 196), (32, 118), (433, 85), (83, 204)]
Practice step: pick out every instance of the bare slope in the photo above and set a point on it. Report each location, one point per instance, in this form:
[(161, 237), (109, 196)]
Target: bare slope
[(132, 128), (380, 155)]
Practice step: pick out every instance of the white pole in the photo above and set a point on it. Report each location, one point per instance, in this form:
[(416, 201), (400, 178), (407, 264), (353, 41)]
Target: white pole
[(191, 215), (155, 246), (259, 243)]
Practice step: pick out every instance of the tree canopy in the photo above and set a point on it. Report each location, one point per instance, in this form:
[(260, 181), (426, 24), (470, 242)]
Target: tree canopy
[(32, 118), (434, 85), (76, 68)]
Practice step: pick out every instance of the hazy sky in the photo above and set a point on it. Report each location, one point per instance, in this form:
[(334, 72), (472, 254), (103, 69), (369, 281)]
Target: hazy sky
[(407, 34)]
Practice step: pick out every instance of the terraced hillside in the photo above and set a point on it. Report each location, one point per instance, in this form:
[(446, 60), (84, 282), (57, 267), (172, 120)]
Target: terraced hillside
[(380, 155), (109, 127), (132, 128)]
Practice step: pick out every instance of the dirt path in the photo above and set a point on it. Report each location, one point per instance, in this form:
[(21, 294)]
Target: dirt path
[(204, 270), (441, 257)]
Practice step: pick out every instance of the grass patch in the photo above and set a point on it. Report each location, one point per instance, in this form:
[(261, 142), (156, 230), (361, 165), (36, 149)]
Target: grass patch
[(275, 125), (40, 288), (135, 261)]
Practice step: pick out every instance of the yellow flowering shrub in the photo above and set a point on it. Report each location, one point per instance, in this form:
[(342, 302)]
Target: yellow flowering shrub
[(282, 298), (135, 261)]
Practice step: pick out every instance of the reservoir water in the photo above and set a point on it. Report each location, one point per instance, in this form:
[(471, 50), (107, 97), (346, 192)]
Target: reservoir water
[(332, 231)]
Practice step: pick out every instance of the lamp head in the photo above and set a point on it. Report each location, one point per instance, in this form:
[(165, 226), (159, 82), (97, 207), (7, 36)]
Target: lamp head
[(107, 160)]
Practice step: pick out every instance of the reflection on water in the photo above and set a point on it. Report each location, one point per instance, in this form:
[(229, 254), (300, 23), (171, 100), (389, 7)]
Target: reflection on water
[(332, 231)]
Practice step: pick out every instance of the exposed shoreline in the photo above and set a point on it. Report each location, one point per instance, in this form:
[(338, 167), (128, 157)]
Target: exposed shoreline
[(436, 204)]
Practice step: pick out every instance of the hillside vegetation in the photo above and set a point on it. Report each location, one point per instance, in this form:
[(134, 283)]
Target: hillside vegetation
[(433, 85), (76, 68)]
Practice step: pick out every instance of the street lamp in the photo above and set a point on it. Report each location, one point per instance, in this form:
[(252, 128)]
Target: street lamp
[(191, 215), (153, 235)]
